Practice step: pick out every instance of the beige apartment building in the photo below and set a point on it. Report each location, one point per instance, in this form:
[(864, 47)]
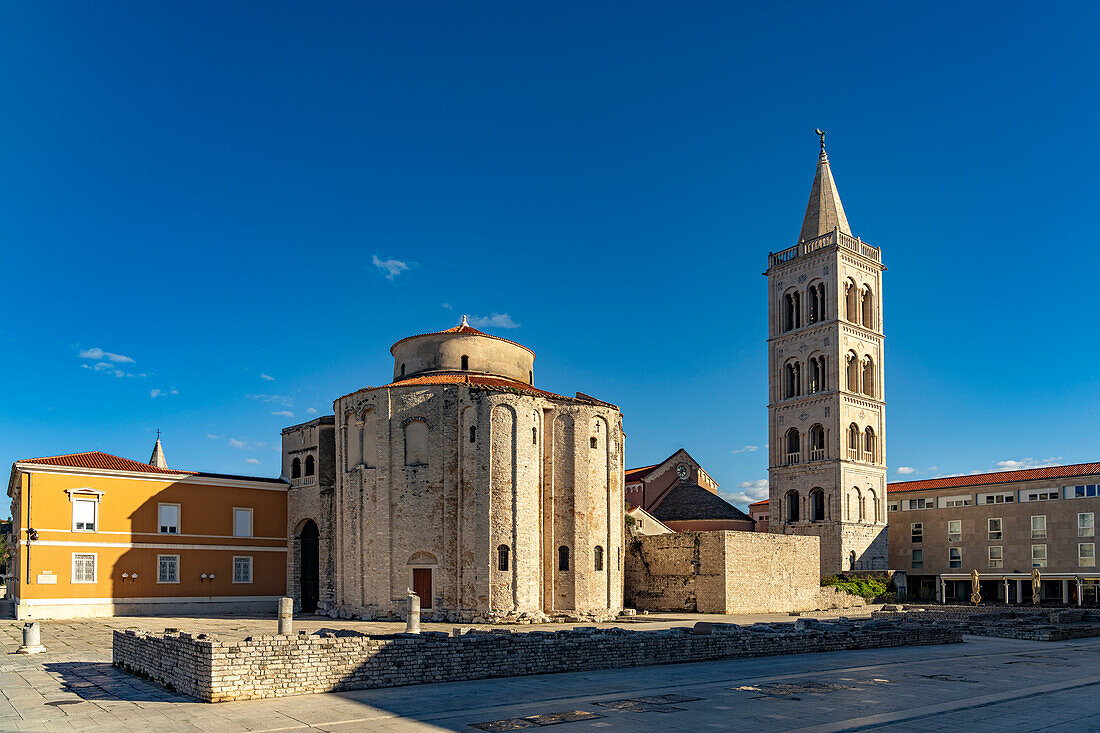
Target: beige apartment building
[(1004, 525)]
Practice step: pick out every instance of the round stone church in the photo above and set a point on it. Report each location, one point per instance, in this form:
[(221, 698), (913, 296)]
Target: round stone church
[(462, 481)]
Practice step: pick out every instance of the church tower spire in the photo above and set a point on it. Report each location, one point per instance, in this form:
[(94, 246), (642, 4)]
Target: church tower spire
[(824, 212), (157, 459), (826, 404)]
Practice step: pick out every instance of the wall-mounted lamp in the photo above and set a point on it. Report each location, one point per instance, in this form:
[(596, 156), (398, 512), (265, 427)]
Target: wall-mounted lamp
[(211, 576), (134, 576), (125, 575), (204, 576)]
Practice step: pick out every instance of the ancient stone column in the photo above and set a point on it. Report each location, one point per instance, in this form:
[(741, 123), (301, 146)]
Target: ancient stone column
[(412, 622), (286, 616), (32, 639)]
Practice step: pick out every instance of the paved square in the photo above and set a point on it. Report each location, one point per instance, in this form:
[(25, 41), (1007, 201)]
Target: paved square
[(983, 685)]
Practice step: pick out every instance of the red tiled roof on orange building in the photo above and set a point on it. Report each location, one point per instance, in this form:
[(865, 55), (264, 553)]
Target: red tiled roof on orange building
[(762, 502), (102, 461), (997, 477), (107, 462)]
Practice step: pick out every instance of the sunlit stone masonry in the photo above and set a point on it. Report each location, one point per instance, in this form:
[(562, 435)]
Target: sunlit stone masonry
[(488, 497)]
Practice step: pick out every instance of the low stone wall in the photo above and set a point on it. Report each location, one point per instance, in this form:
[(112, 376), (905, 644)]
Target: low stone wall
[(274, 666), (723, 572), (1035, 624)]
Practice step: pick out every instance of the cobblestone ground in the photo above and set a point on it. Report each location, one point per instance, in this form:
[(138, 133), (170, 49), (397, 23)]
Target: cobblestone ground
[(983, 685)]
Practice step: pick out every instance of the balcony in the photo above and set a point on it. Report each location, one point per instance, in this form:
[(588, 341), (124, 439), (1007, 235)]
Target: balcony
[(303, 481), (793, 458), (834, 238), (817, 454)]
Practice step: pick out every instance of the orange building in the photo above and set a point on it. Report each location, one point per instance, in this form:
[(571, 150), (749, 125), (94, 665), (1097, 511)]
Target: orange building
[(100, 535)]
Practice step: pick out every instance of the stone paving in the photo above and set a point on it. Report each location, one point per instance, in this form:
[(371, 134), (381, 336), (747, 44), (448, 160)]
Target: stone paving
[(985, 684)]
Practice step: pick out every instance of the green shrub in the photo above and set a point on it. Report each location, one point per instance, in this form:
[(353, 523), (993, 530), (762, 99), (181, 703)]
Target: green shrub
[(869, 588)]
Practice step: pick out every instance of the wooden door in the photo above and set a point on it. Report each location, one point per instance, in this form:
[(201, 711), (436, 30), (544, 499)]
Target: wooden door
[(422, 586)]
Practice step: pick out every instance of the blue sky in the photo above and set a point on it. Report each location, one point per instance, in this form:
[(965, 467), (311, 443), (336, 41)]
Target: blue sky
[(216, 218)]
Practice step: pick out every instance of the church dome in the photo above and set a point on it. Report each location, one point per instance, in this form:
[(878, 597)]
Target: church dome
[(462, 350)]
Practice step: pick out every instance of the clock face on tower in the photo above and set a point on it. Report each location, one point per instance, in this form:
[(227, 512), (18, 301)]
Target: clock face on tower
[(682, 471)]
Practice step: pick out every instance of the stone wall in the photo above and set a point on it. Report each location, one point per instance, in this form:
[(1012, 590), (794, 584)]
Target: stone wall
[(723, 572), (275, 666)]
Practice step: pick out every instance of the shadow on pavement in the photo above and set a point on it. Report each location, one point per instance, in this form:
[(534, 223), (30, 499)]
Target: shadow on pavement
[(100, 681)]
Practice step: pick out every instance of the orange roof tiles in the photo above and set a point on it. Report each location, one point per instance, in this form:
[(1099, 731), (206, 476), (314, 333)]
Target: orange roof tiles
[(464, 330), (762, 502), (637, 474), (472, 380), (107, 462), (996, 477), (100, 460)]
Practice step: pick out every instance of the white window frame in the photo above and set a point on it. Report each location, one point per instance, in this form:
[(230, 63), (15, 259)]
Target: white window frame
[(1038, 534), (913, 561), (999, 561), (179, 518), (1038, 562), (168, 582), (251, 567), (89, 499), (999, 531), (1089, 531), (954, 536), (95, 568), (951, 551), (1086, 562), (251, 517), (913, 532)]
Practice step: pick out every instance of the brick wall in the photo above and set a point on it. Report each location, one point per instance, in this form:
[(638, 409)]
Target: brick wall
[(274, 666)]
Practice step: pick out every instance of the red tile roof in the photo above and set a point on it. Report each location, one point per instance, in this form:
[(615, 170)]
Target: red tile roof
[(474, 380), (762, 502), (464, 330), (637, 474), (997, 477), (100, 460), (107, 462)]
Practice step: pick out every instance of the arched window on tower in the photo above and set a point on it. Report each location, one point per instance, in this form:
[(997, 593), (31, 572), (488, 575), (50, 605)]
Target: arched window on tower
[(788, 312), (563, 558), (821, 311), (797, 309), (791, 501), (868, 307), (852, 560), (296, 468), (310, 467), (852, 362), (851, 301), (817, 505), (794, 448), (857, 505), (817, 443), (791, 379), (402, 371), (872, 498), (853, 441), (817, 374), (502, 558), (869, 377), (869, 444), (597, 557), (813, 310)]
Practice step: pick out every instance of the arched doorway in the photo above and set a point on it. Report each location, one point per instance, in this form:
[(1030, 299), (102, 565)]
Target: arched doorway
[(310, 571)]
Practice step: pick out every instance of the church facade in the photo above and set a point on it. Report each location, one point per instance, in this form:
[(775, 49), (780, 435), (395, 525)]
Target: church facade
[(461, 480), (826, 409)]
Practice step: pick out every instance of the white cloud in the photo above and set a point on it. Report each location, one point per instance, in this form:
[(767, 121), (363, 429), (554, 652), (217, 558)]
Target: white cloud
[(750, 491), (252, 460), (391, 267), (496, 320), (154, 393), (234, 443), (747, 449), (213, 437), (447, 306), (281, 399), (906, 470), (99, 354), (283, 413), (267, 377), (311, 410), (108, 368), (1022, 463)]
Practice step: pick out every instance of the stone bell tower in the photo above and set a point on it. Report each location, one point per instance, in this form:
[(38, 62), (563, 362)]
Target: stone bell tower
[(826, 408)]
